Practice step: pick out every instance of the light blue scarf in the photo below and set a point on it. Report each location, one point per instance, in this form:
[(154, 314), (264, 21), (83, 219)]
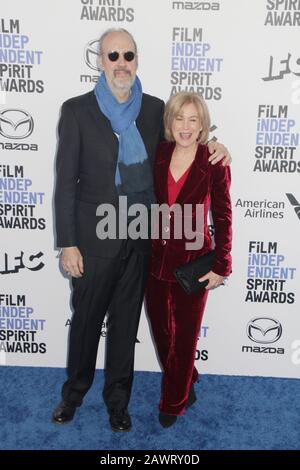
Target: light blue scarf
[(133, 173)]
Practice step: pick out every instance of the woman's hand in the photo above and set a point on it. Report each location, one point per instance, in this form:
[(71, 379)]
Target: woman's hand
[(215, 280)]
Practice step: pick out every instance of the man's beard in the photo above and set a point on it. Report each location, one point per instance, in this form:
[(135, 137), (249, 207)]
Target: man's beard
[(123, 85)]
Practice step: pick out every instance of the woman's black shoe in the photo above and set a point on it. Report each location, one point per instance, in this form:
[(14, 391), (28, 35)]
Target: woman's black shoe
[(166, 420), (191, 398)]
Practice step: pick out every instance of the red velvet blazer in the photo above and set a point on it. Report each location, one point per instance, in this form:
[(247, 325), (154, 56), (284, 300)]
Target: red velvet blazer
[(208, 185)]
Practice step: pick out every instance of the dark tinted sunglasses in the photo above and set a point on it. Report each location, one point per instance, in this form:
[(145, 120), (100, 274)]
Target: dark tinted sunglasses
[(128, 56)]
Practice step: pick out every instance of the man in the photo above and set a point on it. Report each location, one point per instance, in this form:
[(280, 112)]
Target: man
[(107, 143)]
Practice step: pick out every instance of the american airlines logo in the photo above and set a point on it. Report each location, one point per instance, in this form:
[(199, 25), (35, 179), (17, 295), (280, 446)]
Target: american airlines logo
[(294, 203)]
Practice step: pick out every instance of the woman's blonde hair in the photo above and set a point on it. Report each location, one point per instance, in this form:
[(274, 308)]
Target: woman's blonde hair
[(173, 108)]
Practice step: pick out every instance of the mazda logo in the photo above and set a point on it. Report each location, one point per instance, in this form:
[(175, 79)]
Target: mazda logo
[(15, 124), (91, 54), (264, 330)]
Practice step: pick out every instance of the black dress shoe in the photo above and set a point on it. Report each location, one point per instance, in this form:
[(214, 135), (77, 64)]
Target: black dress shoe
[(166, 420), (63, 413), (191, 398), (120, 420)]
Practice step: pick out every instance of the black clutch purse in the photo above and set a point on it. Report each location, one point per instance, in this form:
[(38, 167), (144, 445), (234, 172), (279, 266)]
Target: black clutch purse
[(188, 274)]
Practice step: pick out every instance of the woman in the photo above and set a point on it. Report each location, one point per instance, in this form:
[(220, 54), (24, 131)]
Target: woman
[(183, 175)]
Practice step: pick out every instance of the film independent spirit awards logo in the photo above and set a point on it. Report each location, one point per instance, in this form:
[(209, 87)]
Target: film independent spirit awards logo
[(264, 330), (16, 123), (91, 54)]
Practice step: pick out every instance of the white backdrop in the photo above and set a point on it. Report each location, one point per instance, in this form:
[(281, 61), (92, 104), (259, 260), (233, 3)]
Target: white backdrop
[(243, 57)]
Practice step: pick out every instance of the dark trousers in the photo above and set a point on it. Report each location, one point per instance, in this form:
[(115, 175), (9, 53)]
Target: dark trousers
[(175, 319), (113, 285)]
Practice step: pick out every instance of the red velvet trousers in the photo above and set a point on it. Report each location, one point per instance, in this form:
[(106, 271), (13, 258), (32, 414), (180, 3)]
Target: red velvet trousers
[(175, 319)]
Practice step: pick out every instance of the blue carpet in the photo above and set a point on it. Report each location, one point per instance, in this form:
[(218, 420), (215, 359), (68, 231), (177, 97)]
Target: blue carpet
[(232, 412)]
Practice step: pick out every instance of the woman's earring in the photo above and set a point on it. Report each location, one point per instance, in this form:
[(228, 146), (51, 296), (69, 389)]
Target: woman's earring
[(198, 138)]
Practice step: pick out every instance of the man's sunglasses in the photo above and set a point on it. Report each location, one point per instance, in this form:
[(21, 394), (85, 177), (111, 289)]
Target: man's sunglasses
[(114, 56)]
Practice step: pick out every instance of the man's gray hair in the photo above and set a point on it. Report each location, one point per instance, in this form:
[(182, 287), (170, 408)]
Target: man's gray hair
[(115, 30)]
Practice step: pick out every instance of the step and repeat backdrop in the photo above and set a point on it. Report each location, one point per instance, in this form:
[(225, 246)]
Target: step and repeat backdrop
[(244, 58)]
